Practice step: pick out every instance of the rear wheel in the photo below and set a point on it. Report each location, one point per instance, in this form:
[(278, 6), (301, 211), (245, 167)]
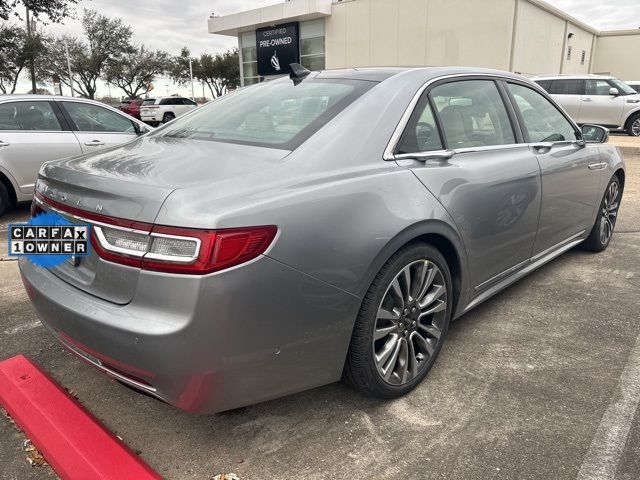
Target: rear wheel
[(633, 127), (167, 117), (402, 323), (602, 230), (4, 199)]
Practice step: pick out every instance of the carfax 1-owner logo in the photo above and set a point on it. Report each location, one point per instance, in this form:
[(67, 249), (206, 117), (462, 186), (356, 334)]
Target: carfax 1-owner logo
[(49, 239)]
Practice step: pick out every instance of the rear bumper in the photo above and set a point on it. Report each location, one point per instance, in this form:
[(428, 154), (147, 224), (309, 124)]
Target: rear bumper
[(210, 343)]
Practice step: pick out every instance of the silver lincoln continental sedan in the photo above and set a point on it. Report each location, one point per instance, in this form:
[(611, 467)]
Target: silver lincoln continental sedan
[(319, 227)]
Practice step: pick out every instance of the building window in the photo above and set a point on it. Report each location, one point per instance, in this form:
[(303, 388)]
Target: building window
[(569, 52), (248, 58), (312, 44), (583, 57)]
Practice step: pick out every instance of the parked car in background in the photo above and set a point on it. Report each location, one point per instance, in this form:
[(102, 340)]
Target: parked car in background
[(596, 99), (635, 84), (299, 232), (37, 128), (164, 109), (131, 106)]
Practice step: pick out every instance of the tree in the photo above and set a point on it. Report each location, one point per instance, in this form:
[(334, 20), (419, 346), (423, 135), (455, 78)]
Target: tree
[(220, 72), (55, 10), (106, 40), (134, 71), (15, 51), (179, 68)]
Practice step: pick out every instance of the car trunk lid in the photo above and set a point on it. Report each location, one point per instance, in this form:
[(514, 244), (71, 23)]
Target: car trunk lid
[(132, 182)]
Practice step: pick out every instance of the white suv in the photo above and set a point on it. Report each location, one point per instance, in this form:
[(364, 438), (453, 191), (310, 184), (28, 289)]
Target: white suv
[(596, 99), (164, 109)]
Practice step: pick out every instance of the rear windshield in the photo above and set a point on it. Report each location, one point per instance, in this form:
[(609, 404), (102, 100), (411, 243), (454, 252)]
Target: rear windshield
[(149, 101), (273, 114)]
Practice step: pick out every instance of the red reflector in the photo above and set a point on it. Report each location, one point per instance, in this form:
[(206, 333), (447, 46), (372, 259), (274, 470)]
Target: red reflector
[(234, 247)]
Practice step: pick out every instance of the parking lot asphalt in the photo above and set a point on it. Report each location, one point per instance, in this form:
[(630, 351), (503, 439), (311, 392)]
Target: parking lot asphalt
[(540, 382)]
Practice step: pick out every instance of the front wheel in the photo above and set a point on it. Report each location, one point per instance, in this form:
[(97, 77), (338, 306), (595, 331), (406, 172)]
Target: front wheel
[(602, 230), (633, 127), (402, 323)]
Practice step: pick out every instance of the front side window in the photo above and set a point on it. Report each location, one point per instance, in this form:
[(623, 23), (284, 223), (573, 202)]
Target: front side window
[(92, 118), (472, 114), (274, 114), (542, 120), (566, 87), (34, 116), (598, 87)]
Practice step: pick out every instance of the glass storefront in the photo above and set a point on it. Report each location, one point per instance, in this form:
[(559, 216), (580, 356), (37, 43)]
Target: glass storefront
[(312, 54)]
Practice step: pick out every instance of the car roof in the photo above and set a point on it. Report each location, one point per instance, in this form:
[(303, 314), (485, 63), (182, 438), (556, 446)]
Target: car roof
[(379, 74), (573, 77), (30, 96)]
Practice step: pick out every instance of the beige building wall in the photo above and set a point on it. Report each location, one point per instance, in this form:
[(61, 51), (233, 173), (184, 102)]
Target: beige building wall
[(618, 55), (419, 32), (539, 39), (582, 41)]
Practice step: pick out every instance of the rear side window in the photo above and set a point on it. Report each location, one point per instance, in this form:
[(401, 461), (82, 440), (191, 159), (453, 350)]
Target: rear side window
[(566, 87), (274, 114), (544, 84), (541, 119), (472, 114), (33, 116), (421, 133), (149, 101)]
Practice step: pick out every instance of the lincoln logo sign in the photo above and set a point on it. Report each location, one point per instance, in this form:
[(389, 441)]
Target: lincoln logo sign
[(277, 47)]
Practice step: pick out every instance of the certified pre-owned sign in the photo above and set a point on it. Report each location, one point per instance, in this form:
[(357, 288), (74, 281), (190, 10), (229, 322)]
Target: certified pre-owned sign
[(277, 47)]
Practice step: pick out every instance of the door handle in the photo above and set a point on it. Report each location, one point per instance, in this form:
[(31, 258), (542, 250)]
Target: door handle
[(4, 144), (597, 166), (544, 146), (95, 143), (586, 99)]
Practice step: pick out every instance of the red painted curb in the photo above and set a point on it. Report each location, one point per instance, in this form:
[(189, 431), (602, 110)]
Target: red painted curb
[(72, 440)]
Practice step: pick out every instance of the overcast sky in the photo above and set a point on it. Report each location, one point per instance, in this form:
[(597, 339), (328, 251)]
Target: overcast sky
[(170, 24)]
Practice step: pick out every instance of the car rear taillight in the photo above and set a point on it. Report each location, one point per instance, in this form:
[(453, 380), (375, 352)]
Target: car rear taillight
[(171, 249)]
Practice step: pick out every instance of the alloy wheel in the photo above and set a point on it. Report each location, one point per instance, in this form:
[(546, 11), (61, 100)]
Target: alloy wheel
[(409, 322), (609, 212), (635, 127)]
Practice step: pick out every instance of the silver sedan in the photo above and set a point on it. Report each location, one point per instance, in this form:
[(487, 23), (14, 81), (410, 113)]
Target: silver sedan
[(298, 232), (37, 128)]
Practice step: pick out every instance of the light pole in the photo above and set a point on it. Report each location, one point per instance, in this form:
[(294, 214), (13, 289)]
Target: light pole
[(193, 95), (66, 51), (32, 65)]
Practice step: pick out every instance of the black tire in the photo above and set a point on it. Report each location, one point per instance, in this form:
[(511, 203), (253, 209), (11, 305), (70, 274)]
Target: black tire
[(4, 199), (633, 125), (360, 367), (167, 117), (597, 241)]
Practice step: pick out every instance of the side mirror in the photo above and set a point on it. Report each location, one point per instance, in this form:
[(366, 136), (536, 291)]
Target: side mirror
[(141, 129), (614, 91), (595, 134)]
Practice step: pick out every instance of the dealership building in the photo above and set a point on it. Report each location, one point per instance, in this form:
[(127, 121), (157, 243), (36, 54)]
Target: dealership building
[(529, 37)]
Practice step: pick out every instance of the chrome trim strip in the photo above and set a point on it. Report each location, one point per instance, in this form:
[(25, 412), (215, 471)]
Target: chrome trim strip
[(557, 245), (536, 262), (98, 364), (503, 274)]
